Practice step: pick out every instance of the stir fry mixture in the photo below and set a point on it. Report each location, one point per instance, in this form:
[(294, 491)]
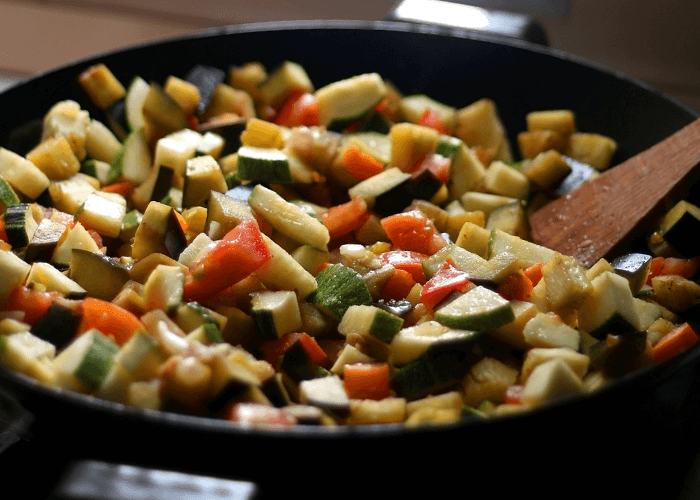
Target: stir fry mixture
[(242, 245)]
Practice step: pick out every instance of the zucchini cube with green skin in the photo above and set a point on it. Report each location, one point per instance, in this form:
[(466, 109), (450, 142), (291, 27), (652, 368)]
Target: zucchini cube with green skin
[(133, 161), (208, 333), (192, 315), (443, 364), (410, 343), (84, 364), (276, 313), (370, 320), (20, 224), (609, 308), (96, 168), (8, 197), (478, 309), (466, 171), (339, 287), (448, 145), (267, 165)]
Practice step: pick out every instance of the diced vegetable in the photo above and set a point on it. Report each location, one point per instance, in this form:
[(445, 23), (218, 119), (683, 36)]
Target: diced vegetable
[(346, 255)]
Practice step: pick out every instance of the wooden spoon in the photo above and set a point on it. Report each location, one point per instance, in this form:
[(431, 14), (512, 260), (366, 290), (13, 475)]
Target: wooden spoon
[(601, 216)]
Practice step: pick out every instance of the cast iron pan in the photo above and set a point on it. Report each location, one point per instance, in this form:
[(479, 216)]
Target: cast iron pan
[(640, 428)]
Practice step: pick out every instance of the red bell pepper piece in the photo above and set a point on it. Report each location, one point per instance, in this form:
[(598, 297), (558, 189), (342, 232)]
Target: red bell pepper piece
[(345, 218), (240, 253), (361, 165), (405, 260), (439, 165), (517, 286), (413, 231), (445, 281), (666, 266), (110, 319), (534, 272), (298, 109), (398, 285), (33, 303), (367, 380), (125, 188), (3, 234), (274, 349), (681, 337), (431, 119)]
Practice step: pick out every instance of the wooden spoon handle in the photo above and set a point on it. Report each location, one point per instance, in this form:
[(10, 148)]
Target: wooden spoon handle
[(602, 215)]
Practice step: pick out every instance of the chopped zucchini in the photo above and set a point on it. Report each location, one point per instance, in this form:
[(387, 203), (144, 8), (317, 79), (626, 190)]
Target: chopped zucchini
[(276, 313), (46, 275), (103, 212), (26, 353), (282, 81), (609, 308), (20, 224), (133, 160), (478, 309), (84, 364), (289, 218), (22, 174), (349, 98), (340, 287), (370, 320), (14, 272), (267, 165)]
